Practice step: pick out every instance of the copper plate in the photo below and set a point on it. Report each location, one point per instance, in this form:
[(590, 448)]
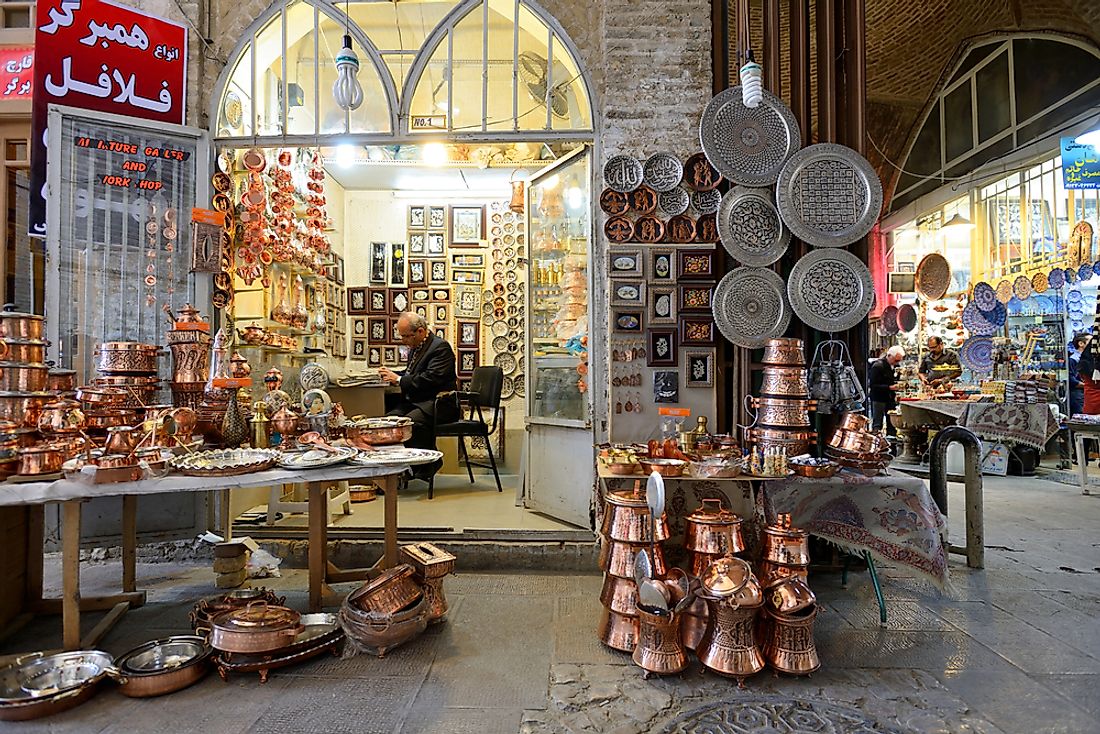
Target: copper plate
[(700, 175), (614, 202), (934, 277), (643, 200), (649, 229), (618, 229), (706, 229), (680, 229)]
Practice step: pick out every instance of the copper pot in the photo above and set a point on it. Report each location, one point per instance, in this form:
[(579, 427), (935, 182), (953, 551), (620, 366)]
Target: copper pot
[(789, 595), (127, 358), (382, 633), (785, 382), (206, 609), (783, 412), (617, 558), (795, 442), (391, 592), (256, 628), (659, 650), (789, 641), (785, 544), (619, 595), (784, 353), (713, 529), (855, 422), (377, 432), (127, 382), (188, 394), (858, 442), (22, 407), (101, 397), (122, 439), (185, 419), (61, 416), (27, 351), (693, 626), (627, 519), (729, 646), (101, 420), (285, 421), (19, 377), (618, 631), (115, 461), (19, 325), (70, 446), (45, 459), (771, 572), (58, 380), (163, 666)]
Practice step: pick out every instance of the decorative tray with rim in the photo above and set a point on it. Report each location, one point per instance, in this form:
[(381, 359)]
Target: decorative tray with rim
[(316, 458), (396, 456), (225, 462)]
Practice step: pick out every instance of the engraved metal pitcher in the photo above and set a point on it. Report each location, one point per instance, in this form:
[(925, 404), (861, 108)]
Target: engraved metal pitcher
[(659, 650), (789, 642), (729, 646)]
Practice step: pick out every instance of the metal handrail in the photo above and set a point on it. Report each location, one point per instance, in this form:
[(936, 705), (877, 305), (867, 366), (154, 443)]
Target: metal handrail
[(937, 481)]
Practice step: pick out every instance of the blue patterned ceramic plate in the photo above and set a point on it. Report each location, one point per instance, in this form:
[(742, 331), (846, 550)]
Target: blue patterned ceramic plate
[(1096, 268), (1084, 272), (1057, 278), (996, 316), (1015, 307), (977, 354), (985, 297), (975, 322)]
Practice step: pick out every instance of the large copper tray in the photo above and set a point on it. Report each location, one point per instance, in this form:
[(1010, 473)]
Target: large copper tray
[(225, 462)]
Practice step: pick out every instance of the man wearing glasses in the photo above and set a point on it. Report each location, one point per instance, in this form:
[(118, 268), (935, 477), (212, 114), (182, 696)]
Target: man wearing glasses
[(430, 371)]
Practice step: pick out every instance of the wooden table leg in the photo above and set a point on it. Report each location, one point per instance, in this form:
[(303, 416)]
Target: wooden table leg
[(70, 574), (318, 541), (389, 487), (36, 536), (1082, 462), (129, 543), (227, 521)]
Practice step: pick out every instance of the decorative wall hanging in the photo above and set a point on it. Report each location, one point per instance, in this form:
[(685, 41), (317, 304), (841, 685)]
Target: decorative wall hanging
[(437, 217), (680, 229), (699, 367), (417, 244), (629, 293), (625, 262), (751, 307), (907, 318), (750, 228), (623, 173), (436, 244), (697, 331), (830, 290), (700, 175), (626, 321), (706, 202), (661, 265), (662, 306), (748, 145), (418, 217), (357, 301), (618, 229), (649, 229), (934, 277), (376, 300), (696, 297), (378, 258), (467, 226), (984, 296), (706, 229), (976, 354), (418, 272), (661, 349), (662, 172), (614, 202), (695, 264)]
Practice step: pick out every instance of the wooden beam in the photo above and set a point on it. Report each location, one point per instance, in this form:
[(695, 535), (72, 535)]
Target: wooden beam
[(318, 541), (110, 619), (129, 543), (70, 574), (90, 603), (389, 486)]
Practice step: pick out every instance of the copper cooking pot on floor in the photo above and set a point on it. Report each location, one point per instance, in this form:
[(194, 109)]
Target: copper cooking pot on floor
[(713, 529), (22, 407), (617, 559), (786, 544), (627, 519), (785, 382), (789, 641), (783, 412), (256, 628), (784, 353), (618, 631), (693, 623), (15, 325), (20, 377)]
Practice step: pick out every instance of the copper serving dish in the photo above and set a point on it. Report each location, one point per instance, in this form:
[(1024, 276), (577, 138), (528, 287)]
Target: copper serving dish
[(619, 595), (789, 641), (19, 325), (659, 650), (618, 631), (364, 433), (101, 397), (394, 590), (28, 351), (256, 628), (815, 471), (206, 609), (713, 529), (19, 377), (855, 422), (627, 519), (127, 358), (61, 416), (58, 380), (665, 467), (784, 412), (38, 684), (784, 353), (23, 408), (617, 559), (785, 382), (382, 633), (45, 459), (163, 666), (785, 544)]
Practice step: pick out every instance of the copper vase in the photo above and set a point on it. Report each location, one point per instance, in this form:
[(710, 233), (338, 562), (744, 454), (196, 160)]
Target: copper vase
[(618, 631), (789, 642), (728, 646), (659, 650)]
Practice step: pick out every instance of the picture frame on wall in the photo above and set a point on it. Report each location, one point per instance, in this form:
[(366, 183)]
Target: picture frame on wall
[(662, 306), (627, 321), (418, 217), (441, 295), (661, 265), (421, 310), (467, 260), (389, 356), (697, 331), (467, 226), (398, 301), (398, 276), (629, 293), (437, 271), (695, 264), (467, 302), (357, 301), (378, 261), (378, 330), (374, 356), (666, 386), (358, 349), (625, 263), (661, 348), (418, 272), (696, 297), (467, 362), (441, 313), (395, 333), (359, 328), (476, 277), (440, 330), (420, 295), (417, 243), (437, 217), (468, 333), (377, 301), (436, 244), (337, 269), (700, 369)]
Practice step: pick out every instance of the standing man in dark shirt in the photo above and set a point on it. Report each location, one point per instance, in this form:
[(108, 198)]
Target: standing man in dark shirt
[(882, 385), (1076, 387), (939, 356)]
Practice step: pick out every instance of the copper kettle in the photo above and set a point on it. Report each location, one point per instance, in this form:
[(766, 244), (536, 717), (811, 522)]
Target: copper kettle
[(518, 185)]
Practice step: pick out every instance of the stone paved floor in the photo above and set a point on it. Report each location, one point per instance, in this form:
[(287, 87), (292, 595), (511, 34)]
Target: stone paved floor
[(1017, 652)]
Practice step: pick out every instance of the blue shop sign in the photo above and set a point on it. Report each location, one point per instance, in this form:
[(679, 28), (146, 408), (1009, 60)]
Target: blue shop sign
[(1080, 165)]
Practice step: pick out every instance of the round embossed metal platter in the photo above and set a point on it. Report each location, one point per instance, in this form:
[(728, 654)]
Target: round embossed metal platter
[(984, 296), (674, 201), (1021, 288), (622, 173), (907, 318), (706, 202), (662, 172), (890, 320), (933, 276), (830, 290), (1039, 282), (748, 145), (977, 354), (829, 195), (750, 306), (750, 228)]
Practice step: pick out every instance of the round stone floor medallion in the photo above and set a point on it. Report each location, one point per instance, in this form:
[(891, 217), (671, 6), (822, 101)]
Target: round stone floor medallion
[(770, 715)]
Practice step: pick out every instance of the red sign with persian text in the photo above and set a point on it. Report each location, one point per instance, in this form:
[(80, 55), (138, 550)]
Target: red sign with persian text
[(96, 55), (16, 68)]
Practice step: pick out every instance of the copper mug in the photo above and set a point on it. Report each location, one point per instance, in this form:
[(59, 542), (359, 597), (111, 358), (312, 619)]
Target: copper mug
[(121, 439), (659, 650), (45, 459)]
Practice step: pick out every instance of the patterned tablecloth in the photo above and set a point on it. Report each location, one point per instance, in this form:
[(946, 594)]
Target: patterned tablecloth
[(1027, 424), (892, 517)]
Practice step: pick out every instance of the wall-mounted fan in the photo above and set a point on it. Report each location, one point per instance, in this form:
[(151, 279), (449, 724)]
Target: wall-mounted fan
[(532, 70)]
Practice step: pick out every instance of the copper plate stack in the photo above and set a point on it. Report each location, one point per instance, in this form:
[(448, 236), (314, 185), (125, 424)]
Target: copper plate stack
[(783, 408), (854, 446)]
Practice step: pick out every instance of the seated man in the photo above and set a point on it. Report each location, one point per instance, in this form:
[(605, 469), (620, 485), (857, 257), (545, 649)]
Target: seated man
[(430, 371)]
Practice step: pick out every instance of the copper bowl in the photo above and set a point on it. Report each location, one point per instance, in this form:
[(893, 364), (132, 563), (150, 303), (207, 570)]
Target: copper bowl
[(27, 351), (381, 633), (23, 408), (378, 432), (622, 468), (61, 416), (115, 461), (664, 467), (617, 558), (618, 631), (855, 422), (20, 377), (19, 325), (712, 529), (45, 459), (815, 471), (784, 353), (101, 397), (626, 519), (785, 382), (391, 592), (619, 595)]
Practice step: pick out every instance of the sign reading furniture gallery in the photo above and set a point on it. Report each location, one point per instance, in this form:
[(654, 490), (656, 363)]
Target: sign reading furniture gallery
[(96, 55)]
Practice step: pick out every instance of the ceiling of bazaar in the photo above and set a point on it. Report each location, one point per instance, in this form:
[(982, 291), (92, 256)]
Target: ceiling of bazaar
[(913, 47)]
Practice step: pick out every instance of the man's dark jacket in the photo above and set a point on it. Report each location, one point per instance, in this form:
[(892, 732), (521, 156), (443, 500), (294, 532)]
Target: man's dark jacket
[(431, 371)]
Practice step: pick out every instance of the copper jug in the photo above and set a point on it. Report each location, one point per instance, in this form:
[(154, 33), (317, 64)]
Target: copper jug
[(121, 440), (789, 642), (728, 646), (618, 631), (659, 650), (712, 529), (516, 204)]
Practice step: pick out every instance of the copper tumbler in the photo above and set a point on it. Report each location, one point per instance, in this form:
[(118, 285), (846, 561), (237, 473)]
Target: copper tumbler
[(789, 642), (659, 650)]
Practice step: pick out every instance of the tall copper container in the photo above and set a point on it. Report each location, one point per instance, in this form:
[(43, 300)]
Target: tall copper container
[(693, 623), (659, 650), (789, 642), (700, 561), (713, 530), (626, 519), (729, 646), (784, 353), (191, 359), (618, 631), (617, 558), (786, 545), (785, 413), (785, 382)]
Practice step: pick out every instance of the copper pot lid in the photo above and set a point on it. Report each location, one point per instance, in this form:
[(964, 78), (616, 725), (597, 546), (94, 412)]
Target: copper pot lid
[(9, 312), (258, 617), (627, 499), (128, 346), (725, 577), (388, 577), (712, 513), (782, 528)]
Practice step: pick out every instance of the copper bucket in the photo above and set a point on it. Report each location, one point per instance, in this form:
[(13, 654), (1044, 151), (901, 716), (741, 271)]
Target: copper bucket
[(785, 382), (728, 646), (714, 530), (617, 558), (784, 353), (618, 631), (659, 650), (789, 642), (786, 545), (627, 519)]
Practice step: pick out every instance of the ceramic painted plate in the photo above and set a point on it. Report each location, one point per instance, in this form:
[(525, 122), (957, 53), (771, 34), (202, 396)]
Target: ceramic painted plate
[(1004, 291), (1084, 272), (977, 354), (997, 316), (1022, 287), (984, 296), (907, 318), (396, 457), (974, 321), (750, 227), (1057, 278), (830, 290), (748, 145), (933, 276), (1039, 283), (750, 306)]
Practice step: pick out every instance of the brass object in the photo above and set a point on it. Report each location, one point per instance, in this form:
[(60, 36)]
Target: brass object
[(123, 358), (617, 559), (618, 631), (714, 530), (61, 416), (391, 592), (784, 353), (206, 609), (516, 202), (659, 650), (700, 561), (626, 519), (256, 628), (234, 425), (19, 325), (27, 351), (728, 645), (785, 382), (261, 426), (45, 459), (789, 642), (783, 412), (382, 633), (794, 441), (19, 377), (786, 545)]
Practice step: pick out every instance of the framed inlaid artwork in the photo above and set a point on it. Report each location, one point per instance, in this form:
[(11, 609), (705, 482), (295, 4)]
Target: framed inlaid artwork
[(357, 301), (359, 349), (397, 264), (417, 243), (418, 272), (389, 356), (468, 276), (377, 330), (467, 226), (441, 313), (467, 302), (696, 297), (626, 321), (662, 306), (417, 217), (467, 333), (625, 263), (420, 295), (395, 332), (697, 331), (374, 355), (359, 328), (661, 348), (435, 244), (421, 310), (437, 217), (440, 330), (629, 293), (695, 265), (467, 362), (398, 301), (661, 267), (467, 260), (437, 271), (377, 301), (700, 369), (338, 269), (666, 386), (378, 259), (441, 295)]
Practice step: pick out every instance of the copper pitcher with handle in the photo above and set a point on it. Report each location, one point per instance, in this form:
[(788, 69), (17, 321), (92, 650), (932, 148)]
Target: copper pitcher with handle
[(728, 646)]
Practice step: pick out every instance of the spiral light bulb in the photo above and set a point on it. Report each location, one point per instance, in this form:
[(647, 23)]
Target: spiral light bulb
[(346, 89), (752, 82)]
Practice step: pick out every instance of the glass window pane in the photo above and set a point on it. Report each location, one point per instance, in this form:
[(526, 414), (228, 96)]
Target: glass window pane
[(301, 87), (399, 26), (467, 53), (533, 71), (569, 104), (430, 97), (957, 122), (994, 104), (268, 48), (501, 46), (235, 115), (1046, 71)]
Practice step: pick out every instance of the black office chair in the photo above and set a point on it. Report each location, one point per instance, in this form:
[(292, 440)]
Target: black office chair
[(484, 393)]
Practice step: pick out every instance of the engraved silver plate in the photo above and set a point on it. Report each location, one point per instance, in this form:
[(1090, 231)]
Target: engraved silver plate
[(673, 202), (706, 202), (829, 195), (748, 145), (662, 172), (830, 290), (750, 306), (750, 227), (622, 173)]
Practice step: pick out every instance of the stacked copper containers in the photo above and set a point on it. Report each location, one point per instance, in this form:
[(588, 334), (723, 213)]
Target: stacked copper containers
[(625, 532), (23, 370), (788, 625), (130, 367), (431, 564), (855, 446), (733, 597), (189, 339), (713, 532), (783, 408)]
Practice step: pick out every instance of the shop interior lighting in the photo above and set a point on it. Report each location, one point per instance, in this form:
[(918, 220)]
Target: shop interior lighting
[(347, 90), (958, 222), (451, 194), (435, 154), (752, 82)]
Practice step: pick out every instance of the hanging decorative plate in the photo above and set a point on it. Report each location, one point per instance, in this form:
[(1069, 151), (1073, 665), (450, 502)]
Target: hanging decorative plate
[(506, 362), (622, 173), (1039, 283), (1056, 278), (234, 110), (984, 296), (700, 175), (977, 354), (613, 202), (890, 320), (618, 229), (680, 229), (706, 202), (673, 202), (907, 318), (933, 277), (996, 316), (1014, 306), (500, 343), (1084, 272), (662, 172), (706, 228), (643, 200), (507, 388), (649, 229), (1022, 287), (253, 160), (1073, 296), (750, 306), (1004, 291), (1080, 241), (748, 145), (313, 377), (830, 290), (1070, 275), (974, 321), (829, 195), (226, 161), (750, 228), (519, 381)]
